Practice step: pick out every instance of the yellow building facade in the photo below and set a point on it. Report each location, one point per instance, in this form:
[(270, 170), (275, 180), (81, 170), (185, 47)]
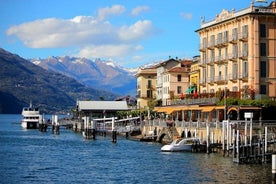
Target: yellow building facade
[(146, 86), (195, 73), (238, 51)]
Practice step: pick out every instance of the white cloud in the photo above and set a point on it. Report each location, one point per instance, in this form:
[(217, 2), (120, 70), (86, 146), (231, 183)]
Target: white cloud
[(93, 36), (139, 9), (139, 30), (106, 51), (186, 16), (114, 10)]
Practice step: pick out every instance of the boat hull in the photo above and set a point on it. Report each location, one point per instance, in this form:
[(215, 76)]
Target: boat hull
[(29, 125), (185, 144), (172, 148)]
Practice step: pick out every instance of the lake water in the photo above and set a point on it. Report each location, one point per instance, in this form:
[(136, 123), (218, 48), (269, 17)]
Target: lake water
[(30, 156)]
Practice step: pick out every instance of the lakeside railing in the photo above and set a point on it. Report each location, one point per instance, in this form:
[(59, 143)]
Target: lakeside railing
[(202, 124)]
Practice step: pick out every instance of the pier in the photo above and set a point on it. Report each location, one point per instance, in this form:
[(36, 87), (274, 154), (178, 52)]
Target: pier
[(246, 141)]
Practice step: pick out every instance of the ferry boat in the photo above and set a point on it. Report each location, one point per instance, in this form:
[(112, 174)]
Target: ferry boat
[(31, 117)]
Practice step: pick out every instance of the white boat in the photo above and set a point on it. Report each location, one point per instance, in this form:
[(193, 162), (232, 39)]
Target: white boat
[(31, 117), (182, 144)]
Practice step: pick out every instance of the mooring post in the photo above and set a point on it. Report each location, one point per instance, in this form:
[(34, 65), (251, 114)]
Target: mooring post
[(250, 131), (56, 125), (245, 133), (93, 125), (227, 137), (265, 139), (208, 136), (114, 133), (223, 137), (53, 122), (273, 168), (238, 146)]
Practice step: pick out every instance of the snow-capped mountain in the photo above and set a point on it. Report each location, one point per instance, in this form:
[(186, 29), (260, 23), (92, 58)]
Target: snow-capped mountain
[(97, 74)]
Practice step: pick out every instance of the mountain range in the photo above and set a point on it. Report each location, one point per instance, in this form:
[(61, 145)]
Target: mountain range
[(99, 74), (22, 82)]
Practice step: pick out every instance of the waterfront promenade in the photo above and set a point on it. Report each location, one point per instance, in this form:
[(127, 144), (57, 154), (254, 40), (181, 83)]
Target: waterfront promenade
[(244, 140)]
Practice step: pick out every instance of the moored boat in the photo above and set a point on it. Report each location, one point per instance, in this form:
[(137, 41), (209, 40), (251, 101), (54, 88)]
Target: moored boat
[(31, 117), (182, 144)]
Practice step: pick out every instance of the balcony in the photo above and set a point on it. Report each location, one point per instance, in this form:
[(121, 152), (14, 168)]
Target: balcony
[(150, 87), (211, 61), (202, 47), (211, 45), (233, 39), (233, 77), (202, 82), (211, 80), (243, 76), (243, 37), (221, 59), (221, 79), (233, 56), (243, 55), (144, 96), (202, 62)]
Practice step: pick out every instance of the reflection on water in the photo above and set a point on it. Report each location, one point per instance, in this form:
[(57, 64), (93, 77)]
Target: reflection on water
[(35, 157)]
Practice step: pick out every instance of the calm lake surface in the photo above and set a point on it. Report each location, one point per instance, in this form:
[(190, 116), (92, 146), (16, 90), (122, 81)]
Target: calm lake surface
[(30, 156)]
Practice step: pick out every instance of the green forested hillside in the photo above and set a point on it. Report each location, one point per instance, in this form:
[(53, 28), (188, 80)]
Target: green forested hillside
[(22, 82)]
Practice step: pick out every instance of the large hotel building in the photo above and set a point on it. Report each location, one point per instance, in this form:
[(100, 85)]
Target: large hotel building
[(238, 51)]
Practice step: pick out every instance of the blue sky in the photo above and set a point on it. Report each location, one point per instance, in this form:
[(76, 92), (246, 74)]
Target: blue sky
[(129, 32)]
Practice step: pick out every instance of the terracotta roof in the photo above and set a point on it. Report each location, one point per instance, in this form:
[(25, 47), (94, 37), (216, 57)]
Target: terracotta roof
[(179, 69)]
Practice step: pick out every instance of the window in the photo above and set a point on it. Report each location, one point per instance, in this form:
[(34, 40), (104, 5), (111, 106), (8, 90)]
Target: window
[(203, 58), (245, 31), (235, 88), (226, 53), (179, 90), (244, 69), (235, 34), (149, 93), (263, 69), (212, 55), (212, 74), (235, 71), (219, 54), (149, 84), (219, 73), (244, 49), (263, 49), (204, 75), (235, 51), (225, 36), (219, 38), (262, 30), (212, 40), (263, 89), (179, 78), (226, 72)]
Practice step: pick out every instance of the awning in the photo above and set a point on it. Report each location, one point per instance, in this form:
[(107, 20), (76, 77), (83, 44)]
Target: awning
[(207, 109), (249, 108), (170, 110), (220, 107), (189, 90), (232, 109), (243, 108)]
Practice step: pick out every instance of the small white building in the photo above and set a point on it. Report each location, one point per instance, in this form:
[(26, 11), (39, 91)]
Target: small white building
[(101, 109)]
